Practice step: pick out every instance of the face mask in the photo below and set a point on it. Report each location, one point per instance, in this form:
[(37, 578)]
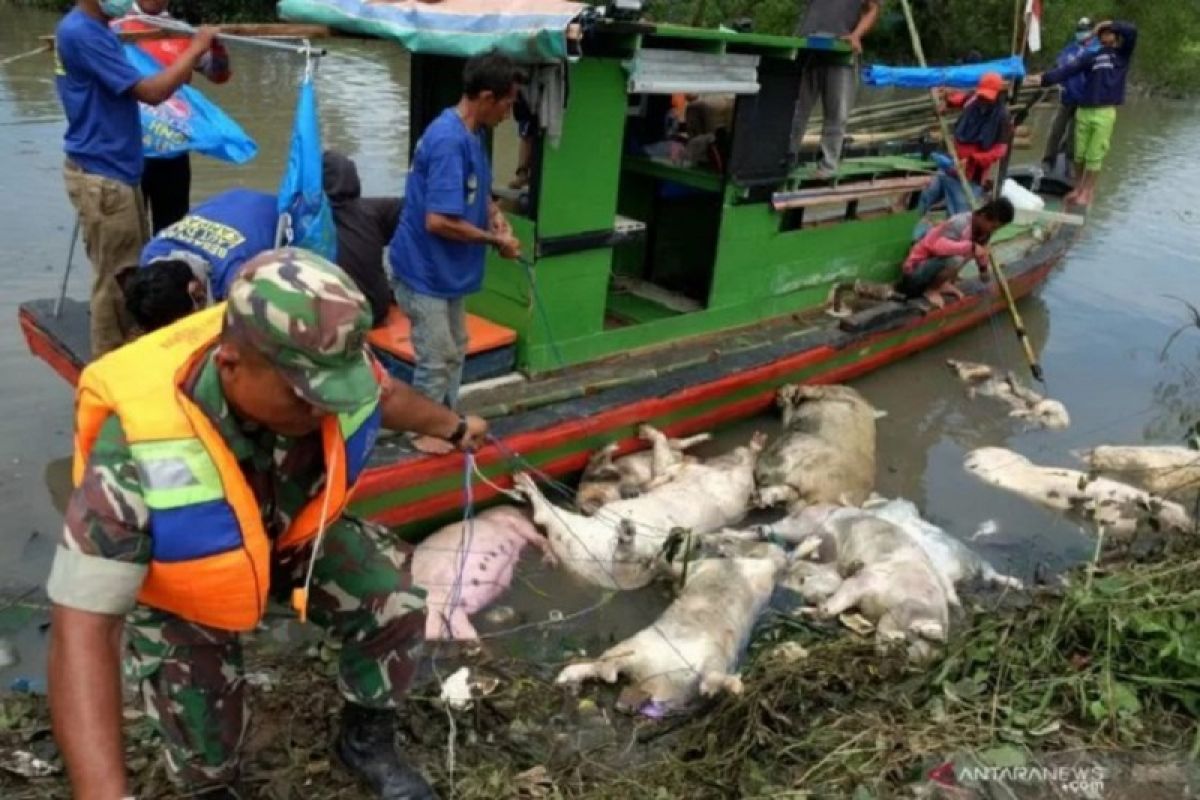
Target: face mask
[(1083, 36), (115, 9)]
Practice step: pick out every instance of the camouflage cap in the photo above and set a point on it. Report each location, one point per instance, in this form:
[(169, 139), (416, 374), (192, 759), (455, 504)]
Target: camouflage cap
[(307, 316)]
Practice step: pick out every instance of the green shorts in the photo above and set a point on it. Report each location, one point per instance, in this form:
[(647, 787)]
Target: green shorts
[(1093, 135)]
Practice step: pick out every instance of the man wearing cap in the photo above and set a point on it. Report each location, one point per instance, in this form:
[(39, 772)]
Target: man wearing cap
[(214, 459), (1062, 131)]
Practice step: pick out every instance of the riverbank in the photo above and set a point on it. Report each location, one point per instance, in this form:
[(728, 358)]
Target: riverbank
[(1094, 682)]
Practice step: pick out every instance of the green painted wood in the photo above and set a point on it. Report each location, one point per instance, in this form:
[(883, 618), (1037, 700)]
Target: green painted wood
[(634, 309), (580, 176), (762, 43), (573, 290), (756, 261)]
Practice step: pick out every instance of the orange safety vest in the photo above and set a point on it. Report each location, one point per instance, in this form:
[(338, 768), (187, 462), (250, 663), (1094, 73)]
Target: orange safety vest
[(211, 554)]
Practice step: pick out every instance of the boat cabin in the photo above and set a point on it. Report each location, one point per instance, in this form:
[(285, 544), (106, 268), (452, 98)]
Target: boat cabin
[(661, 201)]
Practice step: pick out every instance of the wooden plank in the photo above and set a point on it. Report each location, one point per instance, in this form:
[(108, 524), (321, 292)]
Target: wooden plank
[(261, 30), (826, 200)]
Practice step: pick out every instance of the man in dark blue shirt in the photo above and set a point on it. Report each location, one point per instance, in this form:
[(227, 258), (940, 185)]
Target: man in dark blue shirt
[(1061, 140), (449, 220), (99, 91), (1105, 71)]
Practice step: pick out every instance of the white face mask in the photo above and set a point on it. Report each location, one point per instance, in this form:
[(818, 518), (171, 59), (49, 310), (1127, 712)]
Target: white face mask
[(115, 9)]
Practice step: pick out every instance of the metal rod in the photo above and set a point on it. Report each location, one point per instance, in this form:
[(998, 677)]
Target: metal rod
[(997, 268), (62, 292), (182, 27)]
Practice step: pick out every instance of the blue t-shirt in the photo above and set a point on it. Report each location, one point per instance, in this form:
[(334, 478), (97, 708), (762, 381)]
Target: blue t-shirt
[(450, 175), (95, 83), (227, 230)]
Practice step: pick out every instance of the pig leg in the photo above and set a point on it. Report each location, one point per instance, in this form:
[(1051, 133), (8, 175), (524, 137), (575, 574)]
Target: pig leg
[(666, 460), (845, 598), (458, 626), (717, 681), (543, 513), (780, 494), (690, 442), (606, 668)]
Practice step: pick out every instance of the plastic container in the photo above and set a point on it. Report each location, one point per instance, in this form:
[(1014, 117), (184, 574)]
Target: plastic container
[(1021, 198)]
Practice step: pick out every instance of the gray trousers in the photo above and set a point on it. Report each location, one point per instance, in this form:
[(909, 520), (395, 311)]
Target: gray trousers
[(439, 340), (833, 85), (1062, 137)]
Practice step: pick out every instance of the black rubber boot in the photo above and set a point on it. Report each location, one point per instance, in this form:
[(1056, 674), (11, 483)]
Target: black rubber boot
[(366, 744)]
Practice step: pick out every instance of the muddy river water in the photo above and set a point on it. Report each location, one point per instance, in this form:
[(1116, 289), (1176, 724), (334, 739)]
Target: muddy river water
[(1100, 323)]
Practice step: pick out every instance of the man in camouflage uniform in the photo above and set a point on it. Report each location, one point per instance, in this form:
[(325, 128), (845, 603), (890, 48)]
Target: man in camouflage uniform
[(190, 675)]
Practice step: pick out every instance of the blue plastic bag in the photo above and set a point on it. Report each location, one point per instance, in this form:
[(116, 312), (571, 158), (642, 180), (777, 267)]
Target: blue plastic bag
[(962, 76), (304, 209), (188, 122)]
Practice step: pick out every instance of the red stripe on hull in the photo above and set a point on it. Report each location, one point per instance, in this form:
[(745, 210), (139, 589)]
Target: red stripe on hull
[(389, 479), (48, 350)]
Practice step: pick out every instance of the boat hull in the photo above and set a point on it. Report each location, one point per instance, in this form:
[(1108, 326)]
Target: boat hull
[(414, 493)]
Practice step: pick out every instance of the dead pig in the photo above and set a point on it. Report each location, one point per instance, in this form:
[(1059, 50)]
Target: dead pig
[(694, 647), (607, 479), (826, 453), (1168, 471), (1115, 507), (1025, 403), (463, 570)]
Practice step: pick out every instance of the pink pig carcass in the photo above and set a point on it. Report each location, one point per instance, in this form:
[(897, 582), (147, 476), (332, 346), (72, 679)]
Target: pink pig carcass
[(496, 541)]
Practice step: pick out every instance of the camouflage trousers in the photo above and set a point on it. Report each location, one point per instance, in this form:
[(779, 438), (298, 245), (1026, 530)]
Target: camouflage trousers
[(190, 677)]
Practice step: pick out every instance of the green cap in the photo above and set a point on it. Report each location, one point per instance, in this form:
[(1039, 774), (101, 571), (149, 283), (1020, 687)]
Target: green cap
[(311, 321)]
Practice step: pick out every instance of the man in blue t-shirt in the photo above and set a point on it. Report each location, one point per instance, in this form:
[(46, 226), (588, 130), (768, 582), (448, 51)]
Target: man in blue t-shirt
[(449, 220), (199, 256), (99, 91)]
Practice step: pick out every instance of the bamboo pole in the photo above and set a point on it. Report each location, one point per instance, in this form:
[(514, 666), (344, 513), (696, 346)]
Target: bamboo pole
[(997, 267)]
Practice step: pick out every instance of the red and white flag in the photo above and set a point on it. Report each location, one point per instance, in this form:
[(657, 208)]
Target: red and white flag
[(1033, 24)]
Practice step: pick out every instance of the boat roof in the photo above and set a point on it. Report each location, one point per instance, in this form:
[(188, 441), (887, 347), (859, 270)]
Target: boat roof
[(531, 31)]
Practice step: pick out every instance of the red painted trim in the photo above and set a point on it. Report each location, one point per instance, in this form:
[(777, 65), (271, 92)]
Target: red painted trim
[(380, 480), (48, 349)]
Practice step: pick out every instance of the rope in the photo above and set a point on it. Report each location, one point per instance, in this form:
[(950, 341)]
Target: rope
[(541, 310), (45, 48)]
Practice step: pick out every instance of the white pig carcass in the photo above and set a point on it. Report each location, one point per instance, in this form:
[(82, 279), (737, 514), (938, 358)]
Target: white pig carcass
[(826, 453), (463, 570), (1168, 471), (1115, 507), (621, 546), (885, 574), (694, 647), (607, 479), (1023, 402), (952, 558)]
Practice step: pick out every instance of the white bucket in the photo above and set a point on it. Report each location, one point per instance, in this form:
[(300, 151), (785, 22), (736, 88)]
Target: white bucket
[(1021, 198)]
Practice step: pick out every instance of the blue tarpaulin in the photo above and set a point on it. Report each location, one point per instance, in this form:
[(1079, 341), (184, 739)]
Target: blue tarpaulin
[(188, 122), (961, 76), (309, 219)]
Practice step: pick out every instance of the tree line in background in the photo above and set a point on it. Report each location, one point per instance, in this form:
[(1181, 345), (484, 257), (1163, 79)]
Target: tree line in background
[(1168, 51)]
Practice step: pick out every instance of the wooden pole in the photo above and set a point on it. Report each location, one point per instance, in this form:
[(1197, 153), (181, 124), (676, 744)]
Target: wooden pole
[(997, 267)]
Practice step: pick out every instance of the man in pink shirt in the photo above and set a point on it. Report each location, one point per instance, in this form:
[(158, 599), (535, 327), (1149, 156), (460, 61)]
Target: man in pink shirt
[(936, 259)]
